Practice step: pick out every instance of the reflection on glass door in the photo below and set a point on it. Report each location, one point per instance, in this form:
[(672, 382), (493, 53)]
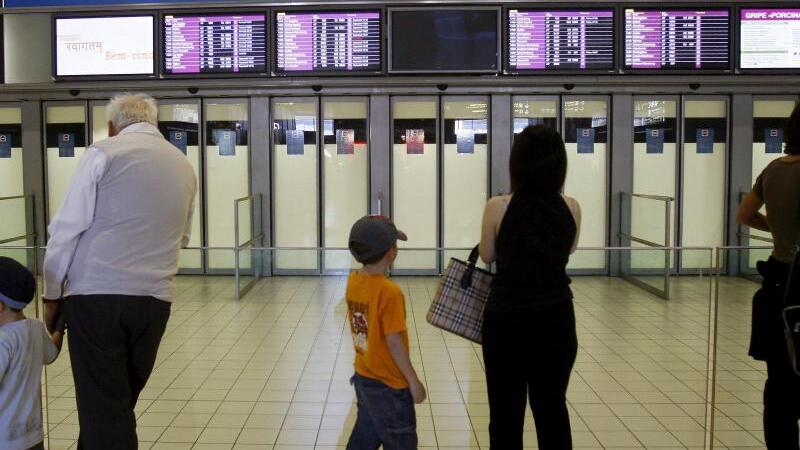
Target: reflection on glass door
[(415, 181), (65, 142), (99, 120), (465, 172), (655, 145), (535, 111), (227, 178), (586, 140), (178, 121), (11, 153), (295, 183), (705, 143), (345, 174), (769, 118)]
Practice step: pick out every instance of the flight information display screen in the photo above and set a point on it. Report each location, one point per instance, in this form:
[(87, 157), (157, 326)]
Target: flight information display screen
[(110, 45), (560, 40), (215, 44), (337, 41), (677, 39), (769, 38)]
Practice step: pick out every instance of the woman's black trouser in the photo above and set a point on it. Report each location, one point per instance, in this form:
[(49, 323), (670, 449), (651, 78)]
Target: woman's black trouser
[(529, 357), (768, 343)]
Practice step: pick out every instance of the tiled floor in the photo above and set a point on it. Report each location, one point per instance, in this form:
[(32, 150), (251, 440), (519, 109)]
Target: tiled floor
[(271, 371)]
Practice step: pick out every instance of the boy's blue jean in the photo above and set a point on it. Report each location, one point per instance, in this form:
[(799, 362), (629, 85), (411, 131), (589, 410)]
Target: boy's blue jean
[(385, 416)]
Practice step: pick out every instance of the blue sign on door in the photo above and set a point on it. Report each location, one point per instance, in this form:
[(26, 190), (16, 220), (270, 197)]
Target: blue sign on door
[(178, 139), (465, 142), (295, 142), (226, 142), (705, 140), (5, 145), (655, 140), (66, 145), (585, 140), (773, 140)]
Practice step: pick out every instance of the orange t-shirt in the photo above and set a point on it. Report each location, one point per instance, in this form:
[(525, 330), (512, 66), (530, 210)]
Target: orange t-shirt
[(376, 308)]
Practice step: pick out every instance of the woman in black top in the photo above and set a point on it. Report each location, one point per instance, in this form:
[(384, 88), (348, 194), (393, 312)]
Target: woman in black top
[(777, 188), (529, 339)]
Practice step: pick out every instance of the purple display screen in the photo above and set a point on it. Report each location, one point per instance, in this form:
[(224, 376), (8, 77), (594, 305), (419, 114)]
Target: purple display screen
[(560, 40), (216, 44), (344, 41), (769, 38), (677, 39)]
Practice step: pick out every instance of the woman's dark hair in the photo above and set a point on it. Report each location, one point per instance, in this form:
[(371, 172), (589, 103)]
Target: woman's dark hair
[(791, 133), (538, 161)]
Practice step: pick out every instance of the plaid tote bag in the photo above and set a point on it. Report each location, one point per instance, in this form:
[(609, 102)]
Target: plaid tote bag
[(461, 297)]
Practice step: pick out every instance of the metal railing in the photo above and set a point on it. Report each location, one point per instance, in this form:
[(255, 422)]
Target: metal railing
[(627, 235), (256, 236)]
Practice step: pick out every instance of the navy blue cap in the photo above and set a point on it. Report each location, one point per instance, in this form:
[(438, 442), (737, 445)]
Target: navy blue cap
[(17, 285)]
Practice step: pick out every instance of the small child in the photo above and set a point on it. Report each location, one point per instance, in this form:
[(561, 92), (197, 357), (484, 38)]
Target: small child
[(385, 382), (25, 346)]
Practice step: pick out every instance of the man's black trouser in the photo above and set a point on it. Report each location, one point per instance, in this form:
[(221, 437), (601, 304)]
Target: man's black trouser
[(113, 342)]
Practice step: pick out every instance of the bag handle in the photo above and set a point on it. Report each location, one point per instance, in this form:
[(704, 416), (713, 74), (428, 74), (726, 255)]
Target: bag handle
[(466, 279)]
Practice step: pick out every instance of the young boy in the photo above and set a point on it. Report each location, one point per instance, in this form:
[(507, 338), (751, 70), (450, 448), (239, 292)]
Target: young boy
[(385, 382), (25, 346)]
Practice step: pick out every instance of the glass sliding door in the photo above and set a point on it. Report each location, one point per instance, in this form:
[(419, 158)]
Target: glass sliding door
[(11, 183), (179, 122), (769, 119), (705, 148), (65, 143), (655, 160), (295, 184), (227, 167), (586, 140), (15, 212), (345, 165), (465, 172), (415, 181)]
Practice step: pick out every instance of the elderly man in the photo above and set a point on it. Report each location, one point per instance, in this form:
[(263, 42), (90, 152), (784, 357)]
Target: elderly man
[(111, 263)]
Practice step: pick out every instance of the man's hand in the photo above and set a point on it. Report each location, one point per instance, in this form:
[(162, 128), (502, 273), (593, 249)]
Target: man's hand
[(53, 314), (417, 391)]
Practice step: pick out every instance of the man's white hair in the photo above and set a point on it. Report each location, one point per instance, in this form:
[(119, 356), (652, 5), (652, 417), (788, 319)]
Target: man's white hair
[(126, 109)]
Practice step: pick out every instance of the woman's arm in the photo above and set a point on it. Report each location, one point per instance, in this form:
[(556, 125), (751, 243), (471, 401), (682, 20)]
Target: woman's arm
[(492, 215), (575, 208), (749, 214)]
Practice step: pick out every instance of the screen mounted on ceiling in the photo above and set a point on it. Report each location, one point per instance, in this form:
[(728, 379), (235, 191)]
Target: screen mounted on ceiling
[(110, 45), (683, 39), (541, 40), (215, 43), (769, 38), (444, 40), (336, 41)]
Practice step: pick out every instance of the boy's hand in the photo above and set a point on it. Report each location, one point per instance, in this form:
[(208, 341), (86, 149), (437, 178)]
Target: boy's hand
[(417, 391)]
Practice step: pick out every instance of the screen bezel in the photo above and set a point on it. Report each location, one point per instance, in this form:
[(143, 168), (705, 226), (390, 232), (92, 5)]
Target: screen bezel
[(381, 10), (192, 13), (675, 7), (137, 76), (497, 9), (579, 7), (738, 39)]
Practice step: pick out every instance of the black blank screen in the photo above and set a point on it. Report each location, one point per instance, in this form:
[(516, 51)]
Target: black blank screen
[(444, 40)]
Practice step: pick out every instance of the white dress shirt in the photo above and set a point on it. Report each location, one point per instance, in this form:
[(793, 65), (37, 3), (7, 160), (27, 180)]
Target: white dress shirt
[(117, 229)]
